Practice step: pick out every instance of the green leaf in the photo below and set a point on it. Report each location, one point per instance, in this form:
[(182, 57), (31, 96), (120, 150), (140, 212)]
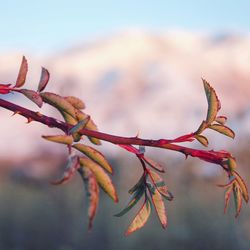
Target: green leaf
[(133, 201), (33, 96), (138, 185), (140, 219), (64, 139), (22, 73), (44, 79), (153, 164), (59, 103), (94, 155), (223, 130), (202, 139), (76, 102), (92, 192), (213, 102), (101, 177), (79, 126)]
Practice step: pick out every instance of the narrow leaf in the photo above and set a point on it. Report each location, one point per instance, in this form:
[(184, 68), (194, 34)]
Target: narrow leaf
[(138, 185), (140, 219), (159, 207), (213, 102), (70, 169), (153, 164), (133, 201), (33, 96), (242, 186), (102, 178), (76, 102), (92, 192), (59, 103), (227, 197), (130, 148), (202, 139), (223, 130), (221, 119), (237, 200), (94, 155), (43, 80), (79, 126), (64, 139), (22, 73)]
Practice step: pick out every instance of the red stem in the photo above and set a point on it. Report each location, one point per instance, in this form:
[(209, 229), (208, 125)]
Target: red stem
[(216, 157)]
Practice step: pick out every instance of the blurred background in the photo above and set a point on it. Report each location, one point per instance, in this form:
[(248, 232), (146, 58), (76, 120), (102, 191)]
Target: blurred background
[(138, 66)]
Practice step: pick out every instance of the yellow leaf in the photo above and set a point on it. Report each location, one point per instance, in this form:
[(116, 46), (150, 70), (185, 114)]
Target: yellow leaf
[(159, 207), (101, 177), (223, 130), (94, 155), (64, 139), (76, 102), (140, 219), (202, 139), (59, 103), (22, 73), (213, 102)]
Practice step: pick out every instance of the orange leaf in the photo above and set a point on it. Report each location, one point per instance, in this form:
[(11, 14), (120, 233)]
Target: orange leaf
[(242, 186), (227, 197)]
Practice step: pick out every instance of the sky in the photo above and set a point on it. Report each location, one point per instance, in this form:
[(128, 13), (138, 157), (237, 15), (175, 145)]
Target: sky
[(51, 25)]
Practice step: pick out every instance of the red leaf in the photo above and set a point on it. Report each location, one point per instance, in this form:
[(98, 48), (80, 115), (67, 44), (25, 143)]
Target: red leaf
[(130, 148), (43, 80), (22, 73)]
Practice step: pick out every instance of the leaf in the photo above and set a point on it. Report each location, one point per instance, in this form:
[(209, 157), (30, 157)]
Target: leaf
[(227, 197), (92, 192), (59, 103), (159, 207), (130, 148), (101, 177), (153, 164), (90, 126), (64, 139), (71, 167), (22, 73), (33, 96), (213, 102), (44, 79), (133, 201), (202, 139), (223, 130), (242, 186), (201, 128), (160, 185), (76, 102), (140, 219), (221, 119), (79, 126), (94, 155), (237, 200), (137, 185)]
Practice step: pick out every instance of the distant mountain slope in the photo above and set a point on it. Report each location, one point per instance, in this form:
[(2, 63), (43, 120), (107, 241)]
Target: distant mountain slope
[(138, 81)]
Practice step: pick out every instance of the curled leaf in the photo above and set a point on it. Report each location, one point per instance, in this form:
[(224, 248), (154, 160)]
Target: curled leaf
[(92, 192), (94, 155), (76, 102), (22, 73), (33, 96), (44, 79), (64, 139), (140, 219), (223, 130), (102, 178), (213, 102), (202, 139), (221, 119)]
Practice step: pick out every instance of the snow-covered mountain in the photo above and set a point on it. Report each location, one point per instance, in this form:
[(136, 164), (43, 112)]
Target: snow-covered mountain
[(139, 82)]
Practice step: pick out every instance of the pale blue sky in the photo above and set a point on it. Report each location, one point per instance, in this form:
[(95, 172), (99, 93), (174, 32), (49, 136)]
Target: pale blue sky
[(47, 25)]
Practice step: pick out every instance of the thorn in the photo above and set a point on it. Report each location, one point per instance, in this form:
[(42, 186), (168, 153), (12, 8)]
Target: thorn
[(29, 120), (16, 112)]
